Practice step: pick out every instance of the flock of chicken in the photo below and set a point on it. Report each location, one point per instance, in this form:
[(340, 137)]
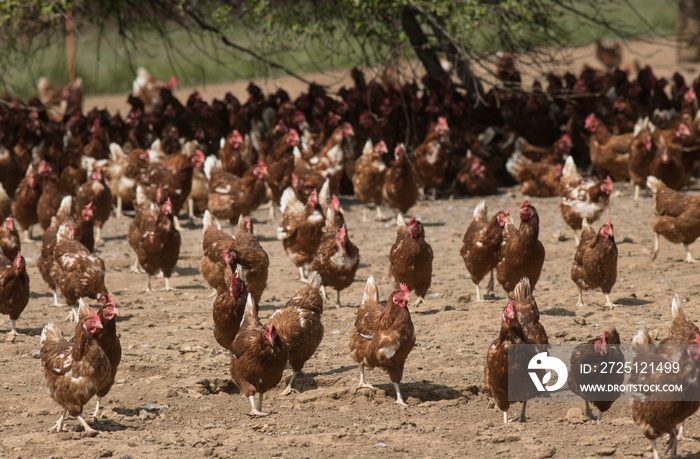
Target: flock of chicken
[(67, 171)]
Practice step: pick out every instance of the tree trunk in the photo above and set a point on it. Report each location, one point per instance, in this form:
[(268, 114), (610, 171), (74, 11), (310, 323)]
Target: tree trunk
[(688, 31)]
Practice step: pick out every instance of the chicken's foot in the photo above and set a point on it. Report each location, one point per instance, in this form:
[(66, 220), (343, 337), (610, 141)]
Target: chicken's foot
[(256, 409), (98, 236), (399, 398), (55, 300), (580, 302), (323, 292), (176, 220), (380, 216), (688, 257), (302, 277), (288, 389), (672, 443), (213, 294), (478, 293), (418, 301), (27, 235), (118, 211), (89, 431), (654, 450), (168, 288), (363, 384), (681, 432), (72, 315), (365, 215), (59, 424), (148, 288), (520, 417), (637, 189), (136, 267), (14, 328), (337, 299), (609, 302)]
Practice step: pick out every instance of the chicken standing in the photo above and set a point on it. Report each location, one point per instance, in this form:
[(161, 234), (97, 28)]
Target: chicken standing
[(301, 230), (411, 258), (299, 324), (482, 244), (431, 156), (676, 217), (10, 243), (595, 262), (74, 370), (368, 178), (400, 189), (228, 309), (383, 336), (14, 287), (25, 202), (96, 192), (108, 340), (600, 352), (522, 254), (259, 355)]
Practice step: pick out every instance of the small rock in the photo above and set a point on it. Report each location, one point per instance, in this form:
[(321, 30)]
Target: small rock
[(605, 452), (466, 298), (107, 453), (574, 416), (505, 438), (546, 452)]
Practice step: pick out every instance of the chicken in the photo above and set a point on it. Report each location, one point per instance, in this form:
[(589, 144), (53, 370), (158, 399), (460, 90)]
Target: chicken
[(337, 258), (147, 88), (528, 312), (496, 368), (400, 188), (522, 254), (5, 204), (25, 201), (411, 258), (368, 178), (582, 198), (158, 247), (230, 196), (598, 352), (383, 336), (595, 262), (96, 191), (108, 340), (122, 172), (228, 310), (50, 199), (281, 164), (554, 154), (60, 101), (431, 155), (301, 230), (481, 245), (217, 249), (655, 415), (14, 287), (676, 217), (259, 355), (609, 153), (10, 244), (330, 159), (475, 179), (299, 324), (74, 370), (252, 257), (642, 151), (536, 178), (609, 54), (304, 178), (231, 153), (75, 270), (667, 165)]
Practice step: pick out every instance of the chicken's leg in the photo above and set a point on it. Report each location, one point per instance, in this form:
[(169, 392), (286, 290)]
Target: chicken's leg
[(337, 299), (256, 409), (323, 291), (97, 408), (688, 257), (168, 288), (380, 216), (672, 443), (580, 302), (302, 277), (637, 189), (588, 414), (55, 300), (88, 429), (654, 450), (177, 223), (363, 384), (118, 211), (98, 236), (491, 285), (478, 293), (576, 238), (14, 328), (213, 294), (147, 288), (136, 267), (59, 424), (521, 417), (72, 315), (681, 432), (656, 247), (505, 417), (399, 398), (190, 208), (27, 235), (608, 301), (418, 301), (288, 389), (365, 214)]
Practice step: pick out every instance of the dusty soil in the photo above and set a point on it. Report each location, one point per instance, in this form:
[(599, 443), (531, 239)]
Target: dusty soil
[(173, 395)]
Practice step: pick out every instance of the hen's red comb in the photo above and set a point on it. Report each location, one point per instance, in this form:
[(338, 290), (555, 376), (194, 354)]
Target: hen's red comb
[(413, 221), (343, 232), (524, 205), (404, 289), (335, 203)]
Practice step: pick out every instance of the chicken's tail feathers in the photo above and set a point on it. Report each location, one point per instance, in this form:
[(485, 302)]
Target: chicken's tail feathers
[(207, 221), (642, 337), (251, 313), (523, 290), (676, 310), (585, 225), (242, 223), (210, 163), (289, 198), (141, 198), (324, 194), (314, 280), (66, 207), (368, 148), (569, 169), (654, 184), (240, 273), (516, 163), (51, 334), (115, 151), (371, 292), (400, 222), (480, 211), (83, 310)]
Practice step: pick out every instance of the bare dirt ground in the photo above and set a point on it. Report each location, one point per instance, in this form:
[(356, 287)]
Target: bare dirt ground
[(173, 395)]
